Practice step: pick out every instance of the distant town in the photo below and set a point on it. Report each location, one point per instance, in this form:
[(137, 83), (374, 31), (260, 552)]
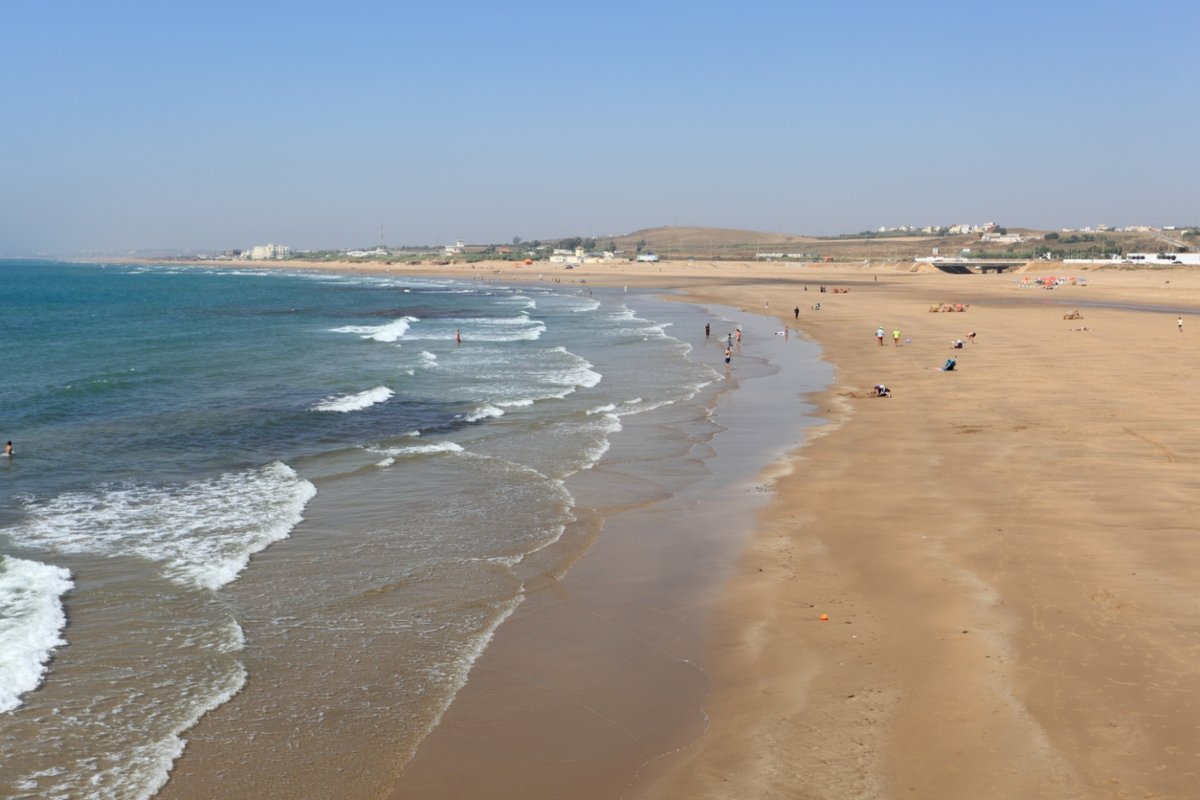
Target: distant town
[(1134, 244)]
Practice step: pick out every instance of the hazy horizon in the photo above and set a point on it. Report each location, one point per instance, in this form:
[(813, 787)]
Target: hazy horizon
[(140, 126)]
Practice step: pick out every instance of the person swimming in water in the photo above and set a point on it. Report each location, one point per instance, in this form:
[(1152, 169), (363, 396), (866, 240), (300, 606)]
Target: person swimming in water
[(8, 448)]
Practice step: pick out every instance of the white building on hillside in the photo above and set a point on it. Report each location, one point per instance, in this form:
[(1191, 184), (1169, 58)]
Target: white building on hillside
[(571, 257), (268, 252)]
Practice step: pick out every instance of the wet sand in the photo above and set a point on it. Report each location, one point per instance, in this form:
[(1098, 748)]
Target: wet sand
[(1007, 555), (601, 671)]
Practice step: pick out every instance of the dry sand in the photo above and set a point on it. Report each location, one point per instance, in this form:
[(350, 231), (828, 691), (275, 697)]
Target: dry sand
[(1008, 553)]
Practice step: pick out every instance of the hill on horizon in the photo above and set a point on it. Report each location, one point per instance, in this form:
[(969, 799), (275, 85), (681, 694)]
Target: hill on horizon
[(674, 242), (730, 243)]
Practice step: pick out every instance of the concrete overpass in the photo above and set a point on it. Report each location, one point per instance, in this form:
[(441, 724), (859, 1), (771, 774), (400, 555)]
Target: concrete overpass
[(966, 266)]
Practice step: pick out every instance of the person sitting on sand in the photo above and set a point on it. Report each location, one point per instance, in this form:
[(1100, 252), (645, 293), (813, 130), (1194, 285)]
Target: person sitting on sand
[(951, 362), (882, 391), (957, 344)]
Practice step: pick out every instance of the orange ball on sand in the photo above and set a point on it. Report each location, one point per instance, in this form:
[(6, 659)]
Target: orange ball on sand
[(824, 618)]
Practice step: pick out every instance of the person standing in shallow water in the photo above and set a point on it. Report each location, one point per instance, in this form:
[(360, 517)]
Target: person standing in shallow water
[(8, 448), (707, 330)]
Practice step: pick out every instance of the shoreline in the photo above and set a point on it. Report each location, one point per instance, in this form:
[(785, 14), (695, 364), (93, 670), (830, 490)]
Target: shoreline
[(601, 670), (630, 612), (1003, 551)]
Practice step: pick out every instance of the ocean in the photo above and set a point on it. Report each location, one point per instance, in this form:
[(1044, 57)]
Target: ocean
[(314, 495)]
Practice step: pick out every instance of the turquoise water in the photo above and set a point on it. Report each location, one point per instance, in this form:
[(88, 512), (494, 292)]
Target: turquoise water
[(280, 512), (225, 475), (114, 373)]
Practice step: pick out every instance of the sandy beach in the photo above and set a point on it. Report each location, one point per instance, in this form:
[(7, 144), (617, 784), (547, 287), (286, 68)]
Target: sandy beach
[(1005, 555)]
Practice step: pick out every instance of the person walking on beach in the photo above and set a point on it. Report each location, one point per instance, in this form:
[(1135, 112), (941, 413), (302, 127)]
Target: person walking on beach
[(796, 310), (879, 335), (1179, 322), (896, 336)]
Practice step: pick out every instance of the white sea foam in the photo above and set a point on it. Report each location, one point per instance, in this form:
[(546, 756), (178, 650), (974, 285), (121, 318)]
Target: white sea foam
[(355, 402), (483, 412), (520, 300), (428, 359), (493, 329), (639, 406), (141, 769), (31, 624), (380, 333), (202, 533), (548, 376), (580, 374), (434, 448), (604, 409), (585, 304), (608, 424), (466, 662)]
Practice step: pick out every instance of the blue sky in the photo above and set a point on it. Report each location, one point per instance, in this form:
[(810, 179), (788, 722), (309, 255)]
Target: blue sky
[(220, 124)]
